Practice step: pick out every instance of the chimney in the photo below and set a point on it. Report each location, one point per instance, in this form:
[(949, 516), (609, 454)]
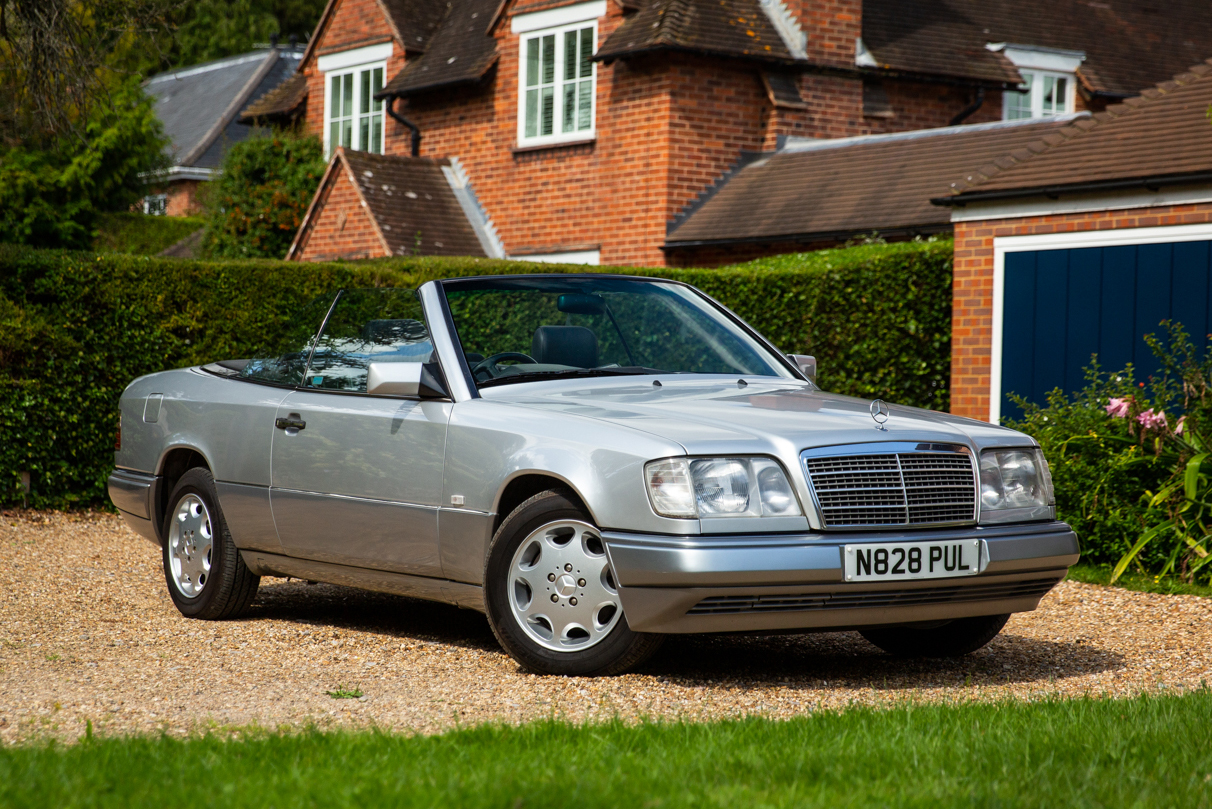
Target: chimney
[(831, 28)]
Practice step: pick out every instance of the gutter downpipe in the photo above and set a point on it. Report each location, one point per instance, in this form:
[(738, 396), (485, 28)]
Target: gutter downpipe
[(967, 111), (416, 131)]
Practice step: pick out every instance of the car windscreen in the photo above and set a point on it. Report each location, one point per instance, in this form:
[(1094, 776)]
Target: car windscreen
[(281, 359), (525, 329)]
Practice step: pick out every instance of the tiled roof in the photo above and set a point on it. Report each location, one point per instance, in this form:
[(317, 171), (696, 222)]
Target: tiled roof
[(724, 27), (199, 105), (281, 102), (417, 21), (1163, 134), (410, 200), (1129, 44), (815, 190), (460, 52)]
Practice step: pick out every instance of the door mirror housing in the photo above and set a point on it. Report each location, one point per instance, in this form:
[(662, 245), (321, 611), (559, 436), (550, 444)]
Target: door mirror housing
[(806, 364), (421, 379)]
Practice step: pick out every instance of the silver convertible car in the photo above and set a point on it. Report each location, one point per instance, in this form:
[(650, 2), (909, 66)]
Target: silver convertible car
[(593, 461)]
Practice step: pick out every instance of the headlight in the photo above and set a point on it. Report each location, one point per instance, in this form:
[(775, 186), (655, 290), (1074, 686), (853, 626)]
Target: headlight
[(1015, 479), (720, 487)]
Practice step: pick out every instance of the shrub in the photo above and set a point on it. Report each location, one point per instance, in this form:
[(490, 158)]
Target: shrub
[(76, 328), (142, 235), (256, 205), (1132, 463)]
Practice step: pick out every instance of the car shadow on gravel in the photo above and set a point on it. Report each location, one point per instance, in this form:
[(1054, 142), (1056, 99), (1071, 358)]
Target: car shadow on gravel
[(363, 611), (846, 660)]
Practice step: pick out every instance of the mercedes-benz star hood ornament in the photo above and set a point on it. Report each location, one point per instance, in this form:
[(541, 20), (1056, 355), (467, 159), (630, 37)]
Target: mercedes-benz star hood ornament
[(879, 412)]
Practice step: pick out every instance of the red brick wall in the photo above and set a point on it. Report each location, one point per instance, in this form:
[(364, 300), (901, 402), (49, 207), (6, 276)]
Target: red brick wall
[(832, 27), (917, 105), (183, 198), (343, 228), (972, 288)]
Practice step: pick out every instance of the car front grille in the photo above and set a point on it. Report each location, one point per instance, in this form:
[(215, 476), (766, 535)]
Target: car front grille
[(731, 605), (911, 488)]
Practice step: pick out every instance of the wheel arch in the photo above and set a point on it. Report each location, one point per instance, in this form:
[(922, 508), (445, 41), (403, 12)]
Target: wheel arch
[(173, 463), (525, 484)]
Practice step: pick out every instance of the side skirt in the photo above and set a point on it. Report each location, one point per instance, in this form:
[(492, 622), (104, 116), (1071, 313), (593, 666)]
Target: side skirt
[(468, 596)]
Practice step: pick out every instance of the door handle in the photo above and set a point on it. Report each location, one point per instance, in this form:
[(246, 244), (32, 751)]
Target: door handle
[(291, 423)]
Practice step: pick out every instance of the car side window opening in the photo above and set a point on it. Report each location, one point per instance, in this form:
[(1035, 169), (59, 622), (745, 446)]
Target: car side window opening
[(519, 329), (365, 326), (282, 358)]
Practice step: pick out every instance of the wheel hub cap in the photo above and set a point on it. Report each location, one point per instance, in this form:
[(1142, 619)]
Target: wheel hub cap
[(562, 591), (190, 542)]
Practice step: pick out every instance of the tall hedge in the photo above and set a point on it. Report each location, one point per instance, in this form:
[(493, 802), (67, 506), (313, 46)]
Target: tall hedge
[(76, 328)]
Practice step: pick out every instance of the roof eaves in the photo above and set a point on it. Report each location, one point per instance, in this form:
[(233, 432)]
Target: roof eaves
[(388, 93), (313, 209), (897, 232), (1055, 191)]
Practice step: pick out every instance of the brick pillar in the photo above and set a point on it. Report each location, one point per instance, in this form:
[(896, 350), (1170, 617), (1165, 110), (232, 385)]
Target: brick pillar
[(831, 27)]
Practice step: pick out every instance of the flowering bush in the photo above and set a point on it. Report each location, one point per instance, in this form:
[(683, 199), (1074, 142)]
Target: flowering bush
[(1137, 490)]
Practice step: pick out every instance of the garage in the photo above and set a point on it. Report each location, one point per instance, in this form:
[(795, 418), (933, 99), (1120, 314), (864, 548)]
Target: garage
[(1080, 244)]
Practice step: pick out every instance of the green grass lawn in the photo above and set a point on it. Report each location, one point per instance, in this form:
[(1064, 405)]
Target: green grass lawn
[(142, 235), (1150, 751), (1142, 582)]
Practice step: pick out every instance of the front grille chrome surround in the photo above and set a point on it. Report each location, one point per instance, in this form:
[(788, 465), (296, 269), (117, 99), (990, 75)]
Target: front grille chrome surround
[(892, 484)]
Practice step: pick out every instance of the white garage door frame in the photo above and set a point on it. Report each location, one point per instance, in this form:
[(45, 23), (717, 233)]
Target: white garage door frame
[(1065, 241)]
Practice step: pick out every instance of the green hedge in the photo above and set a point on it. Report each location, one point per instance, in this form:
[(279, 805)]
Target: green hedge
[(76, 328), (140, 234)]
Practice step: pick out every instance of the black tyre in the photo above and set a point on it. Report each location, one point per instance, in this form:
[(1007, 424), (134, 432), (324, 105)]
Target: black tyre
[(206, 577), (953, 639), (551, 596)]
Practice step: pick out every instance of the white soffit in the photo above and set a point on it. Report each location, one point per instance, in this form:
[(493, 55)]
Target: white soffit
[(555, 17), (1083, 202), (593, 257), (354, 57), (1040, 58)]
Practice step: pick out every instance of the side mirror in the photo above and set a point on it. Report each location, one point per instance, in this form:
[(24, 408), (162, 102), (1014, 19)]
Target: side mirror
[(806, 364), (423, 379)]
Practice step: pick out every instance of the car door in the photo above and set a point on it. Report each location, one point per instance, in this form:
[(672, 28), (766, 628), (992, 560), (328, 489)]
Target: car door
[(356, 479)]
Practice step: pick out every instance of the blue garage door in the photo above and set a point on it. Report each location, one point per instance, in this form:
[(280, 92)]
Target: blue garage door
[(1061, 306)]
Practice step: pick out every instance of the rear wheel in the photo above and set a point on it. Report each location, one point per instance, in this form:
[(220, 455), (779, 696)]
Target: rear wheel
[(953, 639), (551, 596), (206, 577)]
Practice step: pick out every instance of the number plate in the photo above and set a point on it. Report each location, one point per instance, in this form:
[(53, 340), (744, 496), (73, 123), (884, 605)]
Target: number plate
[(897, 561)]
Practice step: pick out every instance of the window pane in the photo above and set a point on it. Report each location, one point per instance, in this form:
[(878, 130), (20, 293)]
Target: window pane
[(586, 52), (532, 62), (548, 119), (376, 86), (347, 132), (532, 113), (1062, 95), (364, 100), (364, 133), (376, 134), (570, 107), (335, 101), (347, 94), (549, 59), (282, 357), (585, 117), (334, 136), (570, 55), (368, 325)]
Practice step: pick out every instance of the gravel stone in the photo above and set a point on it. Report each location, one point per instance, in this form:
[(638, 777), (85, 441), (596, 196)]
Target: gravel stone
[(88, 635)]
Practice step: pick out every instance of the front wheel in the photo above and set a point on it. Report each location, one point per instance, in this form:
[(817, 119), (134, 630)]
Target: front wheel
[(953, 639), (206, 577), (551, 596)]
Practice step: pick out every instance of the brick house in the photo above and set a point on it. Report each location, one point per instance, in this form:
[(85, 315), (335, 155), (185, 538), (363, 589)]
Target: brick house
[(588, 131), (1081, 243)]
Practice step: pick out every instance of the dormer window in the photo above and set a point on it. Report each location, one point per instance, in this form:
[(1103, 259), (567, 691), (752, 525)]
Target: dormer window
[(1049, 81), (352, 116), (557, 78)]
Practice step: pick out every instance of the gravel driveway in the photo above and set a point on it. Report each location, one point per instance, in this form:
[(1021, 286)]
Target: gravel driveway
[(87, 632)]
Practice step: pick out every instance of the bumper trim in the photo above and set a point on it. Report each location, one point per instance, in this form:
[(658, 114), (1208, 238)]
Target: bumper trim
[(131, 493)]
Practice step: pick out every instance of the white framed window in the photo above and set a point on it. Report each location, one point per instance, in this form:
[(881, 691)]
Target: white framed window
[(155, 204), (557, 78), (353, 117), (1042, 94), (1049, 81)]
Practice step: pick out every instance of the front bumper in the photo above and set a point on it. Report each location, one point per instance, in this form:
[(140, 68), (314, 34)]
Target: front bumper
[(783, 582)]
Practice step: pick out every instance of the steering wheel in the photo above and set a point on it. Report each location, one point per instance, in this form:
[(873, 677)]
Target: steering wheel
[(489, 363)]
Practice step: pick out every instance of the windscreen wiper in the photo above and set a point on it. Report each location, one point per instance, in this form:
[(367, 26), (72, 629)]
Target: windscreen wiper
[(573, 373)]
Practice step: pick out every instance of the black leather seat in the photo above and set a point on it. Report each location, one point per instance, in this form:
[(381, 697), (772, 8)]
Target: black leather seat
[(565, 345), (389, 332)]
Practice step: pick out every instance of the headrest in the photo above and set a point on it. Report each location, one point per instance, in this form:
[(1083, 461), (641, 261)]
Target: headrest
[(388, 332), (565, 345)]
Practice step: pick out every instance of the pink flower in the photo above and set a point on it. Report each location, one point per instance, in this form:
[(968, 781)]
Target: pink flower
[(1178, 428), (1118, 408), (1150, 420)]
